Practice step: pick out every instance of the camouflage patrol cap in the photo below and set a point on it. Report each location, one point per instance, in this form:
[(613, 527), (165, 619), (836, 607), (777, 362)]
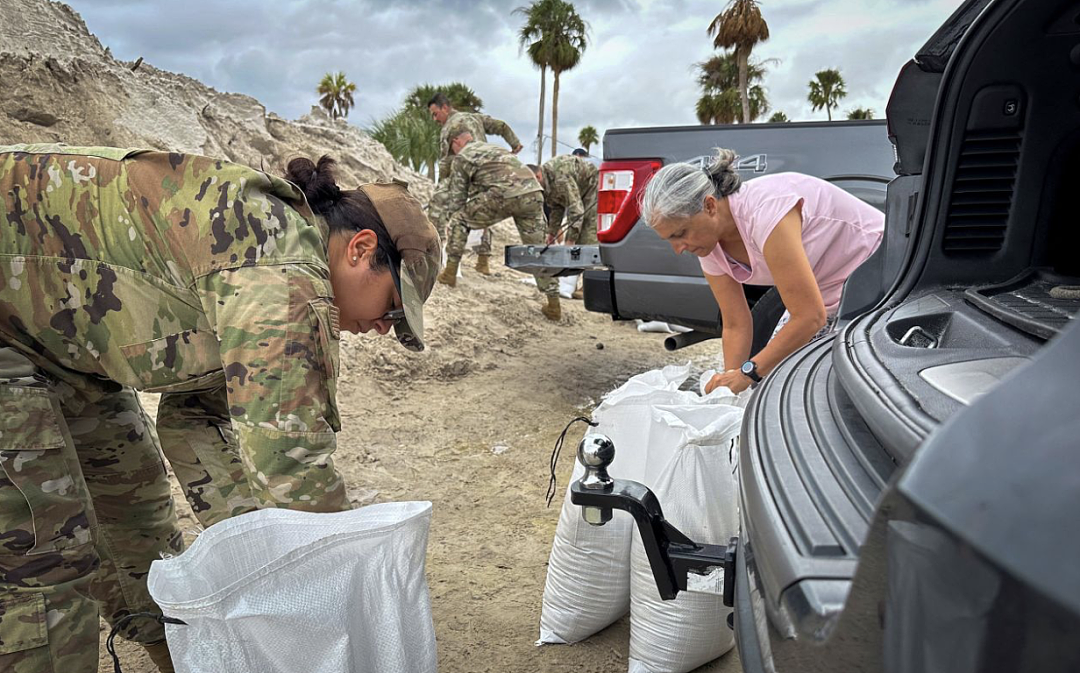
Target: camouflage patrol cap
[(415, 260)]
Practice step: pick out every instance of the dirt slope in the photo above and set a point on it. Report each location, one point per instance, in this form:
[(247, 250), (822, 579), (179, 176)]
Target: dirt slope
[(61, 85)]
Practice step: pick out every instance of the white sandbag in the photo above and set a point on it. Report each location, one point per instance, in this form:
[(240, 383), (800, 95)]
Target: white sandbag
[(661, 327), (669, 379), (476, 237), (280, 591), (696, 488), (567, 285), (588, 579)]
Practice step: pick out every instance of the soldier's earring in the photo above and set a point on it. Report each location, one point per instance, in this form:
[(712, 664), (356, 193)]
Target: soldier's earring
[(355, 259)]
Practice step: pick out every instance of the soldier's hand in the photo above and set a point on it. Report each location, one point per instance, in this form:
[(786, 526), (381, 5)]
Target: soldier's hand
[(517, 149)]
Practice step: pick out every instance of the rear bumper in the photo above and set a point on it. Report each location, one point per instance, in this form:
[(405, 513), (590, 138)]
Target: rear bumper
[(599, 288), (751, 655)]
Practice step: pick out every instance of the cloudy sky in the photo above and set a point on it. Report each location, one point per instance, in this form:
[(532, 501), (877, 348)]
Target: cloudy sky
[(638, 69)]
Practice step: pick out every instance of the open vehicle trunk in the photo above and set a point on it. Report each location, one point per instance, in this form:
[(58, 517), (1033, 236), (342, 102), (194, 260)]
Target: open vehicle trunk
[(979, 269)]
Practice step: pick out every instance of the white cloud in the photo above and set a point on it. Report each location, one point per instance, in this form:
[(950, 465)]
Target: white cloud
[(638, 69)]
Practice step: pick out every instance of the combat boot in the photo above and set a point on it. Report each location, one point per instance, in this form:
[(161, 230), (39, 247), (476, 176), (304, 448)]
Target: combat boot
[(552, 310), (159, 654), (578, 294), (448, 276), (482, 266)]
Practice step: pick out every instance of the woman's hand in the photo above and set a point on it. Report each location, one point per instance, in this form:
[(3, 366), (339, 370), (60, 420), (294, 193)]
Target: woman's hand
[(732, 379)]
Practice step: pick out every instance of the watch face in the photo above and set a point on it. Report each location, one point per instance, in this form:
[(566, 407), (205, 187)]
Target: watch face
[(748, 367)]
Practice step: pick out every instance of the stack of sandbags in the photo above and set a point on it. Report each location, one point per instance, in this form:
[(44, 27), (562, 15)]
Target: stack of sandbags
[(681, 444), (588, 580)]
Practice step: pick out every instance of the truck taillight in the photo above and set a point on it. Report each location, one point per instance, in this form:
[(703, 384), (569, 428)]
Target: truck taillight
[(617, 208)]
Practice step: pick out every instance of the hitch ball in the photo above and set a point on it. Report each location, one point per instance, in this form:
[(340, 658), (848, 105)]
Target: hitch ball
[(595, 452)]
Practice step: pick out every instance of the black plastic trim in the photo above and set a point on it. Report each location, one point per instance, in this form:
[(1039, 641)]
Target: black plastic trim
[(599, 289)]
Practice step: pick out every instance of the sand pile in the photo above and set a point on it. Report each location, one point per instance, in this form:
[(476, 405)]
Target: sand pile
[(61, 85)]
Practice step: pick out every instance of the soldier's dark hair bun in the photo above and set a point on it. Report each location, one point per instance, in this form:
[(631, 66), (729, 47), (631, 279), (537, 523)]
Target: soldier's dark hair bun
[(316, 181), (345, 212)]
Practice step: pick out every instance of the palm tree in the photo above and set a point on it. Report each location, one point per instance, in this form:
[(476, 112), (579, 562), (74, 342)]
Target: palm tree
[(461, 96), (779, 116), (554, 35), (861, 113), (569, 45), (336, 94), (721, 101), (588, 137), (531, 39), (740, 26), (826, 90), (713, 109), (411, 137)]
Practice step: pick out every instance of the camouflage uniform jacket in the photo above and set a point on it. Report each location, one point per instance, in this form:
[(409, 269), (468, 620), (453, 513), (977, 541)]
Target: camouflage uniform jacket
[(481, 167), (566, 180), (479, 125), (170, 272)]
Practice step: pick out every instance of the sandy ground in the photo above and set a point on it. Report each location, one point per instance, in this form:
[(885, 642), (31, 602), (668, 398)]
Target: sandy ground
[(424, 428)]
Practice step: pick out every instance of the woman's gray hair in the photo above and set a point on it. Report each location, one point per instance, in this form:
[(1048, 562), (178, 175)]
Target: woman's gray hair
[(679, 190)]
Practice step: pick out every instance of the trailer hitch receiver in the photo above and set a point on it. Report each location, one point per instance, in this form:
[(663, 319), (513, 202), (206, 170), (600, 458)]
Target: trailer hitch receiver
[(677, 562)]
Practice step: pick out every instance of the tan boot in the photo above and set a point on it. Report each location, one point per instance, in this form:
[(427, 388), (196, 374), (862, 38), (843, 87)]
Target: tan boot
[(552, 310), (448, 276), (578, 294), (159, 654), (482, 266)]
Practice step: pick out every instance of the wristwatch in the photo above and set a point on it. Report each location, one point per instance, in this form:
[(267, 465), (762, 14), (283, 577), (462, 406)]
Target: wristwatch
[(749, 370)]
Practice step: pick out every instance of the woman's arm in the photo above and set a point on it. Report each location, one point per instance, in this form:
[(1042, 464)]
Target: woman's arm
[(786, 257), (737, 327)]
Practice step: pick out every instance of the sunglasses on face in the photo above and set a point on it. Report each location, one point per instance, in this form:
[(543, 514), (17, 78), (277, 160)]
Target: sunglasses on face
[(394, 316)]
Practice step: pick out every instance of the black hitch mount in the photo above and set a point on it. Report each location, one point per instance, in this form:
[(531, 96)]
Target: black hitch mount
[(677, 562)]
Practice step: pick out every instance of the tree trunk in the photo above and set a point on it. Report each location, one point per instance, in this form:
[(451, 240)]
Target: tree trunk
[(828, 111), (555, 115), (742, 55), (540, 128)]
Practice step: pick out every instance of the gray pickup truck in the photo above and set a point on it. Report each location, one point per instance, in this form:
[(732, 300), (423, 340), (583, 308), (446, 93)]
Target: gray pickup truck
[(633, 273)]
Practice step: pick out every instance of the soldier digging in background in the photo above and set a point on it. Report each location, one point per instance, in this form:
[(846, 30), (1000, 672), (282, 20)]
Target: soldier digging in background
[(487, 184), (479, 125), (221, 287), (570, 188)]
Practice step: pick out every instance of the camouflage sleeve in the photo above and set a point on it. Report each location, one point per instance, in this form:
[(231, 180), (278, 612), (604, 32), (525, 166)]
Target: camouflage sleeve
[(498, 127), (457, 192), (278, 337), (445, 158), (555, 219), (575, 210)]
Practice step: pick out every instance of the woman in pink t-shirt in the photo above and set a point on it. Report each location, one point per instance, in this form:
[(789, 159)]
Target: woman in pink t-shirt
[(798, 233)]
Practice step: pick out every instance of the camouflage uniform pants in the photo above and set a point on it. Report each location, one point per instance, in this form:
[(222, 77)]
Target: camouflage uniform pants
[(84, 508), (586, 235), (438, 216), (488, 208)]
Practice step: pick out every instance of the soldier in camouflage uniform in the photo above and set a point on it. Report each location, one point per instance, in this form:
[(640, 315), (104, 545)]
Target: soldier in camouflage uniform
[(570, 187), (211, 283), (487, 184), (453, 123)]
